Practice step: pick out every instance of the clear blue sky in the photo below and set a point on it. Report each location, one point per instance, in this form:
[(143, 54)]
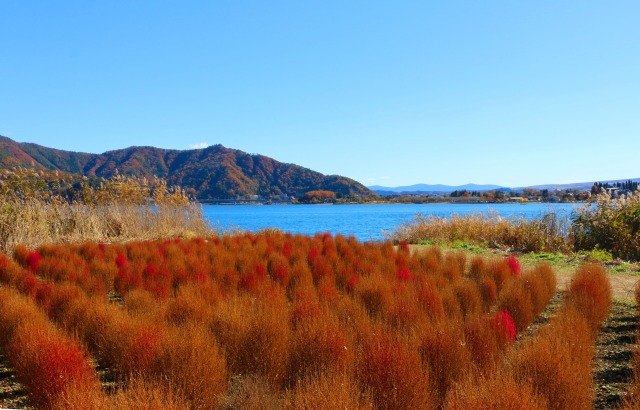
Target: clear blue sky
[(386, 92)]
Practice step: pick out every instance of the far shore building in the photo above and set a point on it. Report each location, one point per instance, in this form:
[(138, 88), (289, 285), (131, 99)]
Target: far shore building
[(613, 191)]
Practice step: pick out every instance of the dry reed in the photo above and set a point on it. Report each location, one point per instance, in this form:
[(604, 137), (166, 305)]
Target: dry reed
[(121, 209), (547, 233)]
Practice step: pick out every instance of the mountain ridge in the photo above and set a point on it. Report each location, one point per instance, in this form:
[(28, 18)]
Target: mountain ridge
[(215, 172)]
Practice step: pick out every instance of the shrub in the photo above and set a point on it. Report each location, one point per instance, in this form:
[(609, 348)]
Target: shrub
[(250, 392), (504, 326), (557, 362), (255, 336), (514, 265), (329, 391), (488, 291), (16, 310), (487, 338), (376, 294), (45, 360), (590, 292), (319, 345), (134, 393), (445, 355), (190, 359), (468, 296), (516, 299), (498, 391), (549, 232), (50, 365), (188, 306), (33, 261), (610, 224), (141, 303), (430, 301), (391, 369)]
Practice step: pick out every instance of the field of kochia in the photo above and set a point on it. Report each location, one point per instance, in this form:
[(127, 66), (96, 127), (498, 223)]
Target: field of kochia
[(274, 320)]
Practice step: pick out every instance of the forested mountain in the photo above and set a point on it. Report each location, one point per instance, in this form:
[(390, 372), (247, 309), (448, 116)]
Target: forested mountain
[(215, 172)]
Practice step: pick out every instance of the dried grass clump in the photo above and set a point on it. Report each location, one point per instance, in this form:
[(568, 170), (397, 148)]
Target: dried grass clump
[(546, 233), (120, 209), (610, 224)]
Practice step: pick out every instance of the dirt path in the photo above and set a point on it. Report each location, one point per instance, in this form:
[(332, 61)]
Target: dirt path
[(612, 366), (12, 394)]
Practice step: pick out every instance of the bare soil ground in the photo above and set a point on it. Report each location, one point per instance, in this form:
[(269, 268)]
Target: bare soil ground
[(612, 365), (12, 394)]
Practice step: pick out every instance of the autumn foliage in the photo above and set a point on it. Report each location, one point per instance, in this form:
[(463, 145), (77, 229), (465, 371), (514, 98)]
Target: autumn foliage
[(250, 319)]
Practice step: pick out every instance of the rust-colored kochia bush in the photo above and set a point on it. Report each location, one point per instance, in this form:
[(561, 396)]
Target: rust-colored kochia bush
[(48, 362), (319, 345), (445, 356), (191, 361), (329, 391), (499, 391), (557, 362), (390, 368), (590, 293), (255, 334), (50, 365), (526, 296)]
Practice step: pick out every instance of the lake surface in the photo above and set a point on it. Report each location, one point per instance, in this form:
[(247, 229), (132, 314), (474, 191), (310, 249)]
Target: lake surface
[(365, 222)]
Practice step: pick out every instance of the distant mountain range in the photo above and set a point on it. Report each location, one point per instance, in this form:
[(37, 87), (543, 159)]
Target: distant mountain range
[(431, 189), (447, 189), (215, 172)]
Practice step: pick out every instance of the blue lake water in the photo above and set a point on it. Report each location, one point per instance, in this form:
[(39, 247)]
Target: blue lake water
[(365, 222)]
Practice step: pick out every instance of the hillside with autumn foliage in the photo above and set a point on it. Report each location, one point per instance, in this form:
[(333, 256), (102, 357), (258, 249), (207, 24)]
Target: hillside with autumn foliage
[(215, 172)]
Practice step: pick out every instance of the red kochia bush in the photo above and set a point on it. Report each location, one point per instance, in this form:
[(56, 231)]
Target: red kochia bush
[(403, 274), (121, 261), (505, 327), (50, 365), (514, 265), (353, 280), (33, 260)]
